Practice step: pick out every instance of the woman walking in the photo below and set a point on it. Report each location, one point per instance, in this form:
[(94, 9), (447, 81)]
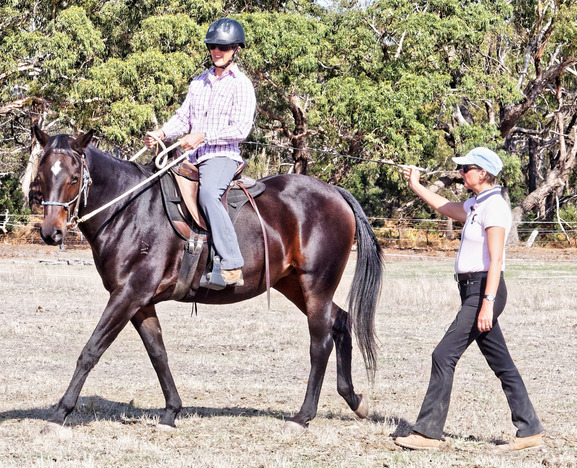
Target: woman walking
[(479, 271)]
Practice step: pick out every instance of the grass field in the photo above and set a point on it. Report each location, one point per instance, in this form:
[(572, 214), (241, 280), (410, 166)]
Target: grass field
[(241, 371)]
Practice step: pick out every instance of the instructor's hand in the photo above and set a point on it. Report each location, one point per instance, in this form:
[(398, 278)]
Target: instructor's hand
[(412, 175), (485, 318)]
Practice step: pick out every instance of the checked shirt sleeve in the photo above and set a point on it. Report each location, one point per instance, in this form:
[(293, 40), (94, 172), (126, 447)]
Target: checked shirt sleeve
[(180, 123)]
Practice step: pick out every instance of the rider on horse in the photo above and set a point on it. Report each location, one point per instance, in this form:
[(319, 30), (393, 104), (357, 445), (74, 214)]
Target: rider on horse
[(216, 115)]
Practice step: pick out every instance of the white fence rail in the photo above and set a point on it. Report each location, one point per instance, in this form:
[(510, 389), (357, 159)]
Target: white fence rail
[(25, 229)]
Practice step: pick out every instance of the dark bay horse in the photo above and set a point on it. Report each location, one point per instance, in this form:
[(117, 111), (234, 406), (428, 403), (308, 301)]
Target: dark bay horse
[(310, 226)]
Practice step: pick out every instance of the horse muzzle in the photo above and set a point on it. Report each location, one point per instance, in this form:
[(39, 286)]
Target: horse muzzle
[(52, 235), (53, 232)]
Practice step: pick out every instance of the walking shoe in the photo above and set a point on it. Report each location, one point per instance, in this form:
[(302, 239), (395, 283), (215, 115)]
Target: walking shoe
[(523, 443), (233, 277), (417, 441)]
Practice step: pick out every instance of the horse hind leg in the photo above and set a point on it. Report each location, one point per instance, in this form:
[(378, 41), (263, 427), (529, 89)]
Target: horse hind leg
[(321, 346), (328, 325), (148, 327), (343, 343)]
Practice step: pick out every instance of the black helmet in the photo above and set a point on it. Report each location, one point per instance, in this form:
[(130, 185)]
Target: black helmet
[(225, 31)]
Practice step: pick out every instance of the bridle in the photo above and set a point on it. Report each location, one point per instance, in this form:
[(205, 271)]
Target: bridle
[(86, 181)]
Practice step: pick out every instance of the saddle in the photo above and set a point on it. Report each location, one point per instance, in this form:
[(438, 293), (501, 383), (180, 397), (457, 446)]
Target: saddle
[(179, 188)]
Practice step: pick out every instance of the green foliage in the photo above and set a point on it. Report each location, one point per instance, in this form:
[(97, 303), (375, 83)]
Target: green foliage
[(569, 214), (415, 82), (169, 34), (11, 196)]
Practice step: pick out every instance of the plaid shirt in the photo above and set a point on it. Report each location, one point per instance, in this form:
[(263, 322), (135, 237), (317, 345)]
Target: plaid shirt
[(221, 107)]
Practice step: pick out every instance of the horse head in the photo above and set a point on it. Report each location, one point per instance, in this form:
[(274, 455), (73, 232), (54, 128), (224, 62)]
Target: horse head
[(62, 178)]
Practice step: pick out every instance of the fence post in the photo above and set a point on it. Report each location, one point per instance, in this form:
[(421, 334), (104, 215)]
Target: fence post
[(5, 223)]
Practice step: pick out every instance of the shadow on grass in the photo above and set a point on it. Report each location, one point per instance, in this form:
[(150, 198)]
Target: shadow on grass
[(94, 408), (404, 428)]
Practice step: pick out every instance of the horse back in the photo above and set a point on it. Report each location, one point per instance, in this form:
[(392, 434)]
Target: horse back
[(307, 218)]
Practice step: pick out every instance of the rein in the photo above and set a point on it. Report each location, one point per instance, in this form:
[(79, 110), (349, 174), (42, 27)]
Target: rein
[(159, 162)]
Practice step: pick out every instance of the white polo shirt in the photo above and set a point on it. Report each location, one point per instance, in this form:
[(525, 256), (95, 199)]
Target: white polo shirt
[(487, 209)]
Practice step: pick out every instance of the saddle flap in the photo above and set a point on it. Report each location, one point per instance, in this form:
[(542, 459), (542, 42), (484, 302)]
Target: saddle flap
[(187, 180), (186, 176)]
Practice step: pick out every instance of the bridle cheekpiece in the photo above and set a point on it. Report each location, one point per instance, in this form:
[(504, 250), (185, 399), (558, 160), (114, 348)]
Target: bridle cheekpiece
[(86, 182)]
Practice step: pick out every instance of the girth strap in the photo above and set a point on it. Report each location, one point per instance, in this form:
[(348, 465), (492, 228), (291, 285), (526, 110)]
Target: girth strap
[(265, 237)]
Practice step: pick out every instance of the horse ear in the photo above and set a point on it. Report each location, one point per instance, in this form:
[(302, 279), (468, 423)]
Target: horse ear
[(41, 136), (82, 141)]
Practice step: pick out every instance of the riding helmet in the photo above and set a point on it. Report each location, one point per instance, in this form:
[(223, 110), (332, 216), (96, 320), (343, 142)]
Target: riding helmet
[(225, 31)]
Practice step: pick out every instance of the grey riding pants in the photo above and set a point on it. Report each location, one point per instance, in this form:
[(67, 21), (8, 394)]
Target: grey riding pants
[(215, 176), (462, 332)]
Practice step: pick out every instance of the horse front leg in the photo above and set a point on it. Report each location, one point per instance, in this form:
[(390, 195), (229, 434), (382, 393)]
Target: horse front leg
[(344, 346), (116, 315), (148, 327), (321, 346)]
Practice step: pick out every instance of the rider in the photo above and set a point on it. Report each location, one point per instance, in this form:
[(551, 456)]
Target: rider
[(216, 115)]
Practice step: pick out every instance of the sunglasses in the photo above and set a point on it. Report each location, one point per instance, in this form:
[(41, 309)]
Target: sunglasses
[(221, 47), (467, 167)]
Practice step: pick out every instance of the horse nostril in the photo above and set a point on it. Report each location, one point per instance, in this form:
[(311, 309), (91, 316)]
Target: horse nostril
[(54, 237)]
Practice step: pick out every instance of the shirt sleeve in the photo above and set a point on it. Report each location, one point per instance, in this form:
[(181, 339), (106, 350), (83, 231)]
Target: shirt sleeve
[(468, 204), (180, 123), (496, 214)]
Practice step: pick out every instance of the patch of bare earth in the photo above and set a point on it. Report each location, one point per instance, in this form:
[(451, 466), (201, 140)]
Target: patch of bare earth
[(242, 371)]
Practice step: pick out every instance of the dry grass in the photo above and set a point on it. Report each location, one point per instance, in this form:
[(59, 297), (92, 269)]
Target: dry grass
[(242, 370)]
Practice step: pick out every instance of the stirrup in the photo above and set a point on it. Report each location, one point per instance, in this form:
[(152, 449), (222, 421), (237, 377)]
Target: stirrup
[(214, 279)]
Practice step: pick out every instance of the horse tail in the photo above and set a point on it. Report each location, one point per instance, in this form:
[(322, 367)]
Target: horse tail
[(366, 285)]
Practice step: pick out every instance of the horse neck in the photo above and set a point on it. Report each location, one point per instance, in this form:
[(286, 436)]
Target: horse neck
[(110, 178), (110, 174)]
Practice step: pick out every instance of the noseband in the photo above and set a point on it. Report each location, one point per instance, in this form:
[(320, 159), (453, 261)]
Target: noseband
[(86, 181)]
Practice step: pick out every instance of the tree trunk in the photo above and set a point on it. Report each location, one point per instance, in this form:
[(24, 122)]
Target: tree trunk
[(556, 180), (510, 115), (533, 168), (29, 190), (299, 136)]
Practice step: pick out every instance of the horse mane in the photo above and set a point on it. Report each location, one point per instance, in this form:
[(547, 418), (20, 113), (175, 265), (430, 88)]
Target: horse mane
[(112, 162), (61, 143)]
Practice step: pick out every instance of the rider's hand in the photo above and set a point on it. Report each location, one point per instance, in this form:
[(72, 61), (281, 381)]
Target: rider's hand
[(191, 141), (149, 139)]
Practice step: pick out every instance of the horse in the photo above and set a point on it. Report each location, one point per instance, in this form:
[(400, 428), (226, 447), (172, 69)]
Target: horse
[(311, 228)]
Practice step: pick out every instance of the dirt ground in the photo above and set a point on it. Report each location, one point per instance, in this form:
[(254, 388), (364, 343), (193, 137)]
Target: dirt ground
[(242, 371)]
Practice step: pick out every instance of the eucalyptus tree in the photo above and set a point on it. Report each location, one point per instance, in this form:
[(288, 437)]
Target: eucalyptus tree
[(283, 60), (494, 73), (339, 89), (111, 66)]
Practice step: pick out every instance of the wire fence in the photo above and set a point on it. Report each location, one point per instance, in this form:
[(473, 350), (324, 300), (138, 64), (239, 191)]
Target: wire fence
[(443, 232), (393, 232)]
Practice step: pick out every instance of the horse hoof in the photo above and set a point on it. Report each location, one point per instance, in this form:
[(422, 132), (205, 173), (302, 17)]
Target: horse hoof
[(165, 428), (56, 430), (293, 428), (363, 410), (51, 428)]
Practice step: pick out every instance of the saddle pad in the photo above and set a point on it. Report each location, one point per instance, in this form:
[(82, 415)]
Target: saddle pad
[(236, 198)]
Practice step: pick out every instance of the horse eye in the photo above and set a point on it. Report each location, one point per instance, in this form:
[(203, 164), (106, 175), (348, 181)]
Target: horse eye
[(74, 180)]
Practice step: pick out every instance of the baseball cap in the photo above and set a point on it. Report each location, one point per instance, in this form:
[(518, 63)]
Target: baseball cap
[(482, 157)]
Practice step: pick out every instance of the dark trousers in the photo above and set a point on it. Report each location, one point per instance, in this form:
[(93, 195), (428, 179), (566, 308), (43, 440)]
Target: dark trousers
[(462, 332)]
